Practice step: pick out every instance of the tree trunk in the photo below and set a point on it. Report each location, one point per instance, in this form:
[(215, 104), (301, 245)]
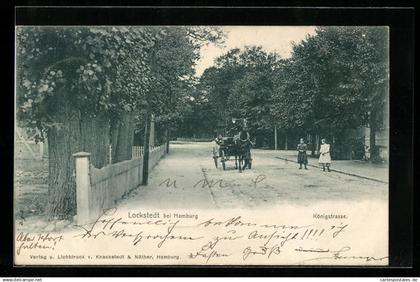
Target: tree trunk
[(114, 139), (146, 147), (374, 154), (275, 137), (122, 132), (95, 138), (167, 139), (63, 142), (313, 144), (258, 140), (76, 133), (317, 144), (285, 141)]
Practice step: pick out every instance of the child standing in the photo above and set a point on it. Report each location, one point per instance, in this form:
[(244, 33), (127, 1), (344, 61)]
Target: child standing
[(324, 155), (302, 157)]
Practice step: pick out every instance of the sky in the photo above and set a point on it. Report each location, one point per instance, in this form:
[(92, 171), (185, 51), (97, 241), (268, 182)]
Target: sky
[(271, 38)]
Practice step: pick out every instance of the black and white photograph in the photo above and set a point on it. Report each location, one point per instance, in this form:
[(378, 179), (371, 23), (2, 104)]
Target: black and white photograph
[(201, 145)]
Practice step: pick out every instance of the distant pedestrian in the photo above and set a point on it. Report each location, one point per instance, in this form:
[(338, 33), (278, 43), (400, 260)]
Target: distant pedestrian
[(217, 151), (324, 155), (302, 157)]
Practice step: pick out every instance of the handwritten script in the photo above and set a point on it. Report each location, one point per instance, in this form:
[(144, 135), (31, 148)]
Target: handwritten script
[(207, 240), (137, 236)]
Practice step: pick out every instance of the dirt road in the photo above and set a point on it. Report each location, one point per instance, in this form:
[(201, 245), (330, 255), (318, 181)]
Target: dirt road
[(187, 178)]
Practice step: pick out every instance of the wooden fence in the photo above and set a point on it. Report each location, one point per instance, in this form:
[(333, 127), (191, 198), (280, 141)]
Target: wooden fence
[(99, 189), (136, 152), (194, 139)]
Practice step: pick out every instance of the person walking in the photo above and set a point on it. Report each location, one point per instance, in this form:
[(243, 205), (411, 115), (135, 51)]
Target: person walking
[(302, 157), (324, 155)]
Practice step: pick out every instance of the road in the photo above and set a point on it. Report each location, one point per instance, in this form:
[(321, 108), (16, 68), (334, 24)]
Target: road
[(187, 178)]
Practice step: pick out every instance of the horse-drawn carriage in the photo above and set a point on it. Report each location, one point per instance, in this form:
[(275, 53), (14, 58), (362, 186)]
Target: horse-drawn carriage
[(236, 148)]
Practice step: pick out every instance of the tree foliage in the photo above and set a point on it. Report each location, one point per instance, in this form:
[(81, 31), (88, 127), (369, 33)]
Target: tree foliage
[(93, 63), (334, 80), (172, 64), (240, 86), (79, 86)]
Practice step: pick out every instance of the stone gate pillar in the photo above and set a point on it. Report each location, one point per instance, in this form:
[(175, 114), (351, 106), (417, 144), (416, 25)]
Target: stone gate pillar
[(83, 193)]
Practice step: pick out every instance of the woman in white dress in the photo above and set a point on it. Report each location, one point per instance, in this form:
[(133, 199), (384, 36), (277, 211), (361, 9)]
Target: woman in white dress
[(324, 155)]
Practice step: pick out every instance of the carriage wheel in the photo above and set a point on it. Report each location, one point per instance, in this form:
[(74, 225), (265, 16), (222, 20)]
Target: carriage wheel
[(215, 161)]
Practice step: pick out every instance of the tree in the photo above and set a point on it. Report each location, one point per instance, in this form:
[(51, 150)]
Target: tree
[(79, 86), (66, 85), (171, 68), (217, 81), (240, 85), (132, 82), (173, 71), (336, 80), (172, 64)]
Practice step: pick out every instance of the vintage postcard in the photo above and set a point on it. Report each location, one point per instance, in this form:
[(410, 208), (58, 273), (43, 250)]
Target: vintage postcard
[(201, 145)]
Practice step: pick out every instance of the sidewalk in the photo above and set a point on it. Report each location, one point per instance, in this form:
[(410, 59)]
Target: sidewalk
[(376, 172)]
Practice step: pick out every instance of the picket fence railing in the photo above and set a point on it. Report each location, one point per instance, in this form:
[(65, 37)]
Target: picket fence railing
[(100, 189), (136, 152)]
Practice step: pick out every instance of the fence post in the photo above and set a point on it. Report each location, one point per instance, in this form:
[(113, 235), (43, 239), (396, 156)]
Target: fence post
[(83, 194)]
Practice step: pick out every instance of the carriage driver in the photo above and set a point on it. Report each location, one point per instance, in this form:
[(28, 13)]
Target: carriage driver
[(219, 139)]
